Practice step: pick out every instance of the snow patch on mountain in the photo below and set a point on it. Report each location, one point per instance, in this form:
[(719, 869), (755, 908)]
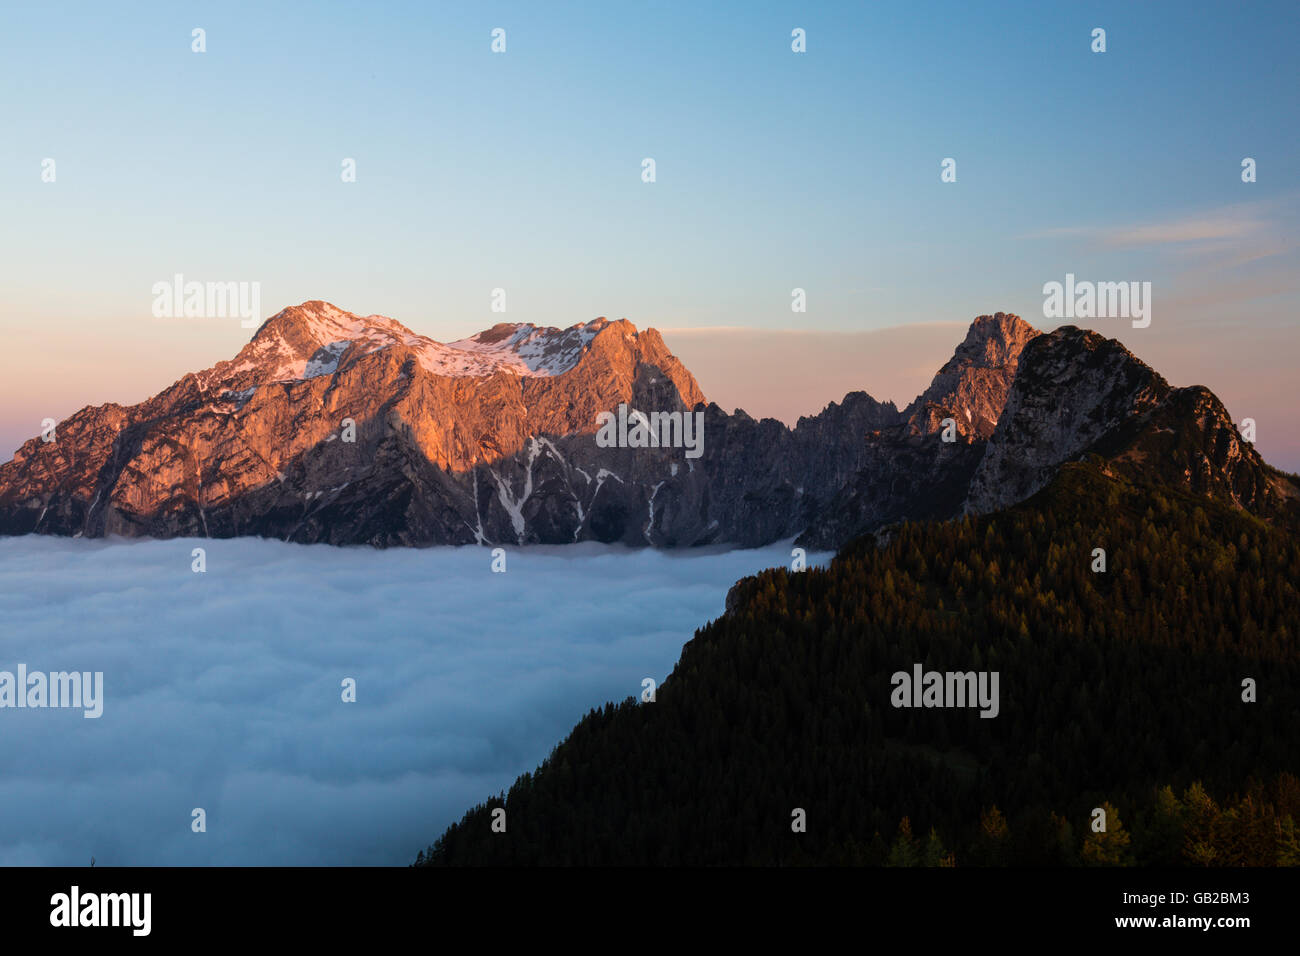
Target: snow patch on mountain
[(527, 349), (309, 340)]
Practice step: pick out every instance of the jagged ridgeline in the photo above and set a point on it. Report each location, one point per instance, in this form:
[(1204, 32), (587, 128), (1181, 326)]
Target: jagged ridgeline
[(347, 429), (1120, 689), (329, 427)]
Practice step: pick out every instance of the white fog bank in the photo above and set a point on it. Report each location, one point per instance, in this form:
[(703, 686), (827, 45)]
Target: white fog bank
[(222, 690)]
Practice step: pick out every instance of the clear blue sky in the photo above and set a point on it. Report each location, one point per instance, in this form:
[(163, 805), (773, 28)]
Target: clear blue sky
[(522, 170)]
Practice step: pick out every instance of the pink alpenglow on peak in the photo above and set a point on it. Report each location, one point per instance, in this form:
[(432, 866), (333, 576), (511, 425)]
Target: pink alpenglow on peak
[(309, 340)]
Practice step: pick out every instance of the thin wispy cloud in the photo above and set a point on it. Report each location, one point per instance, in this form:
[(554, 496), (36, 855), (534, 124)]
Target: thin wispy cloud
[(1238, 255), (837, 334), (1187, 230), (1238, 222)]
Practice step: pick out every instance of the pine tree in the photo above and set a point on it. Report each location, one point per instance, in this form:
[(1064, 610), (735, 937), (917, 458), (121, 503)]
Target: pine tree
[(1288, 842), (1109, 847), (935, 854), (904, 851)]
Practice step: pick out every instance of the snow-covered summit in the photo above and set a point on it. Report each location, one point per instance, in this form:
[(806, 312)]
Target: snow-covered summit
[(308, 340), (530, 350)]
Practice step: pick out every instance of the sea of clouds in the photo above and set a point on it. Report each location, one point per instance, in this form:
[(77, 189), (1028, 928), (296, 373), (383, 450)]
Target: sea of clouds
[(222, 690)]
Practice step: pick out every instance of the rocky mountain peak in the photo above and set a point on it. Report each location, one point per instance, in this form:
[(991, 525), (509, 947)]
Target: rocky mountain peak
[(309, 340), (1081, 394), (1073, 388), (994, 341), (329, 426), (972, 386)]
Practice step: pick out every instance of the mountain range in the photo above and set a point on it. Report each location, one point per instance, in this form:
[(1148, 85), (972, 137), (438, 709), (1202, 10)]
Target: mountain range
[(1120, 565), (333, 427), (1155, 691)]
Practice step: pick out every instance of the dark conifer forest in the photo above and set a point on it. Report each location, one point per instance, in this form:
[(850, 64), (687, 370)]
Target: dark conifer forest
[(1120, 690)]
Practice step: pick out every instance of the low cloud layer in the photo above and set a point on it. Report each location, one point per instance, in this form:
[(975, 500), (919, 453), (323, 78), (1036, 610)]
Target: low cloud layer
[(222, 689)]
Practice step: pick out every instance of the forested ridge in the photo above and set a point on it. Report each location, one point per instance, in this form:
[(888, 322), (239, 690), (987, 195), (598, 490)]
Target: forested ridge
[(1119, 689)]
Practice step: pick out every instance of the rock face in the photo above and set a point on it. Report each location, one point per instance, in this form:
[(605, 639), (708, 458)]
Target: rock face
[(972, 387), (263, 444), (1074, 388), (908, 471), (331, 427), (1078, 393)]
